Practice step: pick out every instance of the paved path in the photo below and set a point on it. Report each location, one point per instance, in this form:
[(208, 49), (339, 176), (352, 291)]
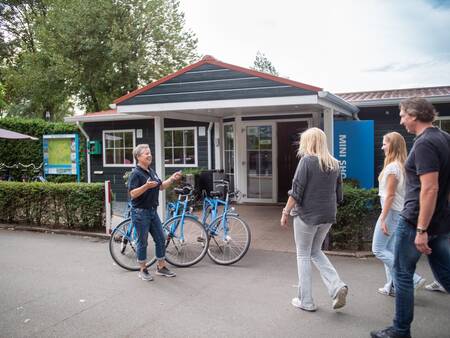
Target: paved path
[(68, 286)]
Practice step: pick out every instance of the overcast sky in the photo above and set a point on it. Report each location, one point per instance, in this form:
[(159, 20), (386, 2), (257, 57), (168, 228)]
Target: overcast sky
[(341, 46)]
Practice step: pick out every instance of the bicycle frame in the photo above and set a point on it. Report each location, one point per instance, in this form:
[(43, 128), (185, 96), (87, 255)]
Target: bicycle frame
[(179, 206), (214, 203)]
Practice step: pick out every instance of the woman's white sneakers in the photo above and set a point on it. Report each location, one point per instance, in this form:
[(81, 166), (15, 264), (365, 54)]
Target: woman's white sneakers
[(435, 286), (385, 292), (298, 304), (338, 302), (341, 298)]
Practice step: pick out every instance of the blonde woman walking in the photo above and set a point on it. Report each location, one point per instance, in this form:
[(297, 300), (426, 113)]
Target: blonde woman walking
[(316, 191), (392, 193)]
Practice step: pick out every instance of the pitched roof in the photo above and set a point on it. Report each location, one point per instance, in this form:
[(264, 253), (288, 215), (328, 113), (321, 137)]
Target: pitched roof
[(209, 60), (396, 94)]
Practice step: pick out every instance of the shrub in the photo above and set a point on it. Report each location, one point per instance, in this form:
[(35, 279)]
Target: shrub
[(56, 205), (356, 218)]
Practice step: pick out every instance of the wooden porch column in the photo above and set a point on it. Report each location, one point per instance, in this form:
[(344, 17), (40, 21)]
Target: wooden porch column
[(328, 128), (159, 162), (218, 143), (239, 155)]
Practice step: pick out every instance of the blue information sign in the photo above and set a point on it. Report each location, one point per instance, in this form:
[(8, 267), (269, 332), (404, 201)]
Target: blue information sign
[(61, 155), (354, 148)]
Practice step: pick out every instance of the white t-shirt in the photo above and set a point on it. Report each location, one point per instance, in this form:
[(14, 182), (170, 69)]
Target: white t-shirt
[(393, 168)]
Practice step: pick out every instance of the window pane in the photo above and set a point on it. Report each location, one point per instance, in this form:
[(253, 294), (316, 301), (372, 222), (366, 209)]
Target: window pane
[(119, 158), (128, 156), (128, 139), (109, 156), (266, 163), (168, 156), (229, 137), (178, 156), (178, 138), (252, 138), (109, 140), (265, 141), (168, 138), (190, 155), (118, 140), (189, 138)]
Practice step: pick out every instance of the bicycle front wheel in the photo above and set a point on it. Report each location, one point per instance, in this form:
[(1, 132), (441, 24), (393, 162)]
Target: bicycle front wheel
[(123, 246), (229, 242), (186, 242)]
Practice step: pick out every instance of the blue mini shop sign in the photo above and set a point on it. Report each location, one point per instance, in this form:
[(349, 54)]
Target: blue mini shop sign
[(354, 148)]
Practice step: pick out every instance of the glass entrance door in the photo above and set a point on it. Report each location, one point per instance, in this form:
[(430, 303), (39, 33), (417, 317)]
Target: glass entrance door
[(259, 152)]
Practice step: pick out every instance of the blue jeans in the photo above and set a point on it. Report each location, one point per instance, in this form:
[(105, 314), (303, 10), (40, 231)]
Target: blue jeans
[(145, 221), (383, 246), (406, 257)]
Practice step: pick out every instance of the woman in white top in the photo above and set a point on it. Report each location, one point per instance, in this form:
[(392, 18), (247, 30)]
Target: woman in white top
[(392, 192)]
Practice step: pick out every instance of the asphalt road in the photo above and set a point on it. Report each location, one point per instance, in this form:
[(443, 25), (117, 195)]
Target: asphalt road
[(67, 286)]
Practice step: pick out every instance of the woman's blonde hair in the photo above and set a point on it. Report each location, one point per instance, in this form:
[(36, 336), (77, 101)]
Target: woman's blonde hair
[(396, 152), (314, 142)]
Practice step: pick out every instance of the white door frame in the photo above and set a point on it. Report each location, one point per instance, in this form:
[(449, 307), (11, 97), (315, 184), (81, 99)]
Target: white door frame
[(241, 147)]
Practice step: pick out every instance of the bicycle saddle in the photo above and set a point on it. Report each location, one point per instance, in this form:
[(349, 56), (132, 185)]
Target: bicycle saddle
[(215, 194), (183, 191)]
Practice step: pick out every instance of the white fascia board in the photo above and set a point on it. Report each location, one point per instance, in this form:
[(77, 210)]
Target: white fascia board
[(396, 102), (337, 109), (330, 100), (218, 104), (101, 118)]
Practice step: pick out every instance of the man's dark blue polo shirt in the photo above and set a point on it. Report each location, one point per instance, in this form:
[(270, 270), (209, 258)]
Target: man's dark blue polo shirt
[(149, 199)]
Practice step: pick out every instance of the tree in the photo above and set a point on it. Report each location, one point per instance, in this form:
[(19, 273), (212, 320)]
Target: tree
[(95, 51), (263, 64)]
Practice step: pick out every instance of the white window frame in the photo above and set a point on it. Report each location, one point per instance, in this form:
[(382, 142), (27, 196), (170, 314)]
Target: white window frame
[(104, 148), (194, 165)]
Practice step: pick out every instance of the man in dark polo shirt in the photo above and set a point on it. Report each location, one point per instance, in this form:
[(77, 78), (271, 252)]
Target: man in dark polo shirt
[(144, 186), (424, 226)]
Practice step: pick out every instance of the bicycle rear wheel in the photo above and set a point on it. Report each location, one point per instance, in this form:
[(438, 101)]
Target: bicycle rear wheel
[(228, 246), (123, 245), (186, 242)]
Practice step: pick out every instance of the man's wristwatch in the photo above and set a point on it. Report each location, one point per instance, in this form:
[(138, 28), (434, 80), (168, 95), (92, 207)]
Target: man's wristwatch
[(420, 230)]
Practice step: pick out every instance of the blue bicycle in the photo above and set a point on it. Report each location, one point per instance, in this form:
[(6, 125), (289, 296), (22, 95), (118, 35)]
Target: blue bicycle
[(229, 235), (182, 231), (123, 244)]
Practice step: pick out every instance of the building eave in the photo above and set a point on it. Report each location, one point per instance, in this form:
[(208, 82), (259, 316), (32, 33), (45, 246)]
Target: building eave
[(338, 103)]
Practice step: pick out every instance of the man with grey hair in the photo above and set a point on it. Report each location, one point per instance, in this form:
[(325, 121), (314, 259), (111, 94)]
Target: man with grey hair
[(144, 186), (424, 226)]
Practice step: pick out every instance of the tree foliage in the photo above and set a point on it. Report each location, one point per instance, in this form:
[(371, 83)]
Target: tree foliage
[(57, 52), (263, 64)]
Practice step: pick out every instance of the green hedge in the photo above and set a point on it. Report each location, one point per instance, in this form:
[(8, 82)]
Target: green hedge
[(28, 151), (57, 205), (356, 219)]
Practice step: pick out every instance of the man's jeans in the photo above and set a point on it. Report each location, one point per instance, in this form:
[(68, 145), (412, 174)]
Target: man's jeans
[(406, 257), (308, 240), (145, 221), (383, 246)]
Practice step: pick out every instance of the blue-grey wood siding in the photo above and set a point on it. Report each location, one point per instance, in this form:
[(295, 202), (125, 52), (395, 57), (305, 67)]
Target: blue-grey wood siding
[(115, 174), (211, 82), (386, 119)]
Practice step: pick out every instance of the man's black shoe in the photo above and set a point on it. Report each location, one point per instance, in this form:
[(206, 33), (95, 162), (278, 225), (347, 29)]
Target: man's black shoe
[(387, 333)]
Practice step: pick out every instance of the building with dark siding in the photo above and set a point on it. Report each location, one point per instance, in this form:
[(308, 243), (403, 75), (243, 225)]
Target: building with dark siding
[(382, 107), (213, 115)]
